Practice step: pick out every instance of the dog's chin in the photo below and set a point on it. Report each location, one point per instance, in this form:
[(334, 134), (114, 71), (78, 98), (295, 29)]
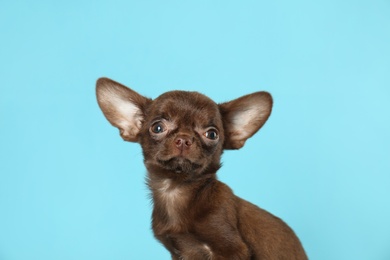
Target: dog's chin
[(180, 165)]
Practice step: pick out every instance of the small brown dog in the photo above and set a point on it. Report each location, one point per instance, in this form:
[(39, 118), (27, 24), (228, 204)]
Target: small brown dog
[(182, 135)]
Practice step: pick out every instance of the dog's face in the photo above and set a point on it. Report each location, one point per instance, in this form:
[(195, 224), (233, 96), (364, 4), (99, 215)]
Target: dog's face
[(182, 133)]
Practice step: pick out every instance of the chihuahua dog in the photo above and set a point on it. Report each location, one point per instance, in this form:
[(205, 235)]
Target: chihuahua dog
[(183, 135)]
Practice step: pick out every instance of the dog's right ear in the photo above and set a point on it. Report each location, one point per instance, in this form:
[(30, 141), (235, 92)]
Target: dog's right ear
[(244, 116), (123, 107)]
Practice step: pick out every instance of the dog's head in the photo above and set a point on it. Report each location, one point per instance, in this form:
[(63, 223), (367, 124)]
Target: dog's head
[(182, 133)]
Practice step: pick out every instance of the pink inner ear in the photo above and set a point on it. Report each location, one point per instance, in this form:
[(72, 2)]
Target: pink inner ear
[(245, 123)]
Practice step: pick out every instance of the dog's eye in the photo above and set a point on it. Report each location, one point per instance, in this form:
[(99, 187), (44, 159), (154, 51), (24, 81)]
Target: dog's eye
[(157, 128), (211, 134)]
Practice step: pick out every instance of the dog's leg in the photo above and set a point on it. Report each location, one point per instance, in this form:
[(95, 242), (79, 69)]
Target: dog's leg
[(188, 247)]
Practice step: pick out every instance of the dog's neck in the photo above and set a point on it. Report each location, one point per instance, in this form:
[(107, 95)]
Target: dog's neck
[(162, 181), (175, 197)]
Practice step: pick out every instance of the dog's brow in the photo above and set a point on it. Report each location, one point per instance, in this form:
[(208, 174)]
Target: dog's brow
[(211, 124), (161, 116)]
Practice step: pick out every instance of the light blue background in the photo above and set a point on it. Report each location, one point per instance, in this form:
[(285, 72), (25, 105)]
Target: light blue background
[(70, 188)]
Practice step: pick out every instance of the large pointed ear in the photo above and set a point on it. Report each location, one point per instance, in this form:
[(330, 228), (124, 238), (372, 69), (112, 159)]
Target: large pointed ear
[(123, 107), (243, 117)]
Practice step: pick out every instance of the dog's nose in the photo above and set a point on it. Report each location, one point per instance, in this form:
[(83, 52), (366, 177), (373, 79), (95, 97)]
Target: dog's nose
[(183, 142)]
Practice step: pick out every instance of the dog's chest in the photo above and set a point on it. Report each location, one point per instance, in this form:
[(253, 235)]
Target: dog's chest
[(172, 200)]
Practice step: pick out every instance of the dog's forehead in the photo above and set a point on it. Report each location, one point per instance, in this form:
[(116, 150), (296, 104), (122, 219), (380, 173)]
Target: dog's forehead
[(185, 102)]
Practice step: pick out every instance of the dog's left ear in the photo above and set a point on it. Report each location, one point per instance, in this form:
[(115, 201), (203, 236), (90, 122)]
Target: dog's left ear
[(243, 117), (123, 107)]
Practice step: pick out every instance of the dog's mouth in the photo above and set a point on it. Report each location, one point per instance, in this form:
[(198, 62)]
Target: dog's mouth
[(179, 165)]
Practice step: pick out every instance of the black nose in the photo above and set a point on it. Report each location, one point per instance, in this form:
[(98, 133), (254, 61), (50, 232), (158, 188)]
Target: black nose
[(183, 142)]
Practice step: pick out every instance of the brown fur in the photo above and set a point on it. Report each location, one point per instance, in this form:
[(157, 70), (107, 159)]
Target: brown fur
[(183, 135)]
